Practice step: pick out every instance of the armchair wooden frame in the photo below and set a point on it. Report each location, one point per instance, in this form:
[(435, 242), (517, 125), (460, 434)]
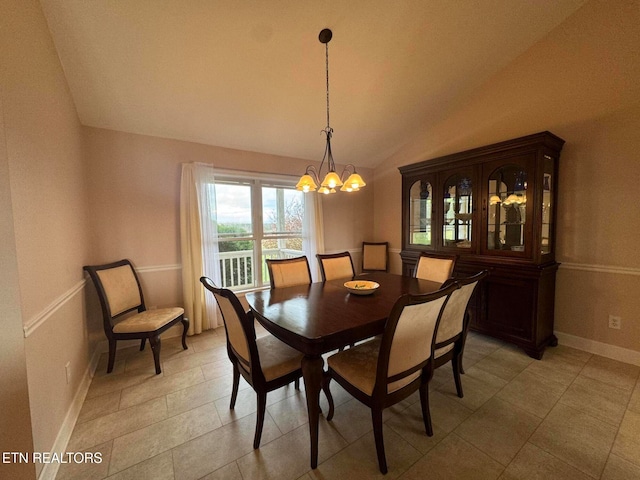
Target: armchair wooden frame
[(165, 318)]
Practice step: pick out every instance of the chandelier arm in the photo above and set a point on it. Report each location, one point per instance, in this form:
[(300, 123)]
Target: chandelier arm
[(311, 170)]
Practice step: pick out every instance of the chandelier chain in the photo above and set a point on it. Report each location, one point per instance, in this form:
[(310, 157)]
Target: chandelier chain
[(326, 45)]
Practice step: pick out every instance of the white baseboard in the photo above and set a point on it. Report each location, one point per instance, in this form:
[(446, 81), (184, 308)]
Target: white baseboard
[(50, 470), (604, 349)]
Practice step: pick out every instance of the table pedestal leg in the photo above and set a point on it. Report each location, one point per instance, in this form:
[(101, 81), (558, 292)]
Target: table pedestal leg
[(312, 374)]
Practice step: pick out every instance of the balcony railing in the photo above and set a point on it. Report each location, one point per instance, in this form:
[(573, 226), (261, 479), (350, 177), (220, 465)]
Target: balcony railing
[(236, 268)]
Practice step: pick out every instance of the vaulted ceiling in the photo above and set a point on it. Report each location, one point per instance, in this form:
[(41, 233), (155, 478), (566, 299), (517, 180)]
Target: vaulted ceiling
[(250, 75)]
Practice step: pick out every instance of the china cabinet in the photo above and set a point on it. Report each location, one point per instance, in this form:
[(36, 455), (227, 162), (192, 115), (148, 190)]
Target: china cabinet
[(494, 208)]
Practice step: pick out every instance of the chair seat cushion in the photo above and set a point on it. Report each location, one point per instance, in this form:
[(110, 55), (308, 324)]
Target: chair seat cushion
[(358, 365), (148, 321), (276, 357)]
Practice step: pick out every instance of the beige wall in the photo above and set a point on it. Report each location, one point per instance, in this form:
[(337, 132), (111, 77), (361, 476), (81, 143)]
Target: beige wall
[(134, 195), (15, 419), (46, 177), (581, 82)]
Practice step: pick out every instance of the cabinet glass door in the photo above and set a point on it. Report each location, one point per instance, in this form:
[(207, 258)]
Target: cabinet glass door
[(457, 213), (507, 208), (420, 209), (547, 206)]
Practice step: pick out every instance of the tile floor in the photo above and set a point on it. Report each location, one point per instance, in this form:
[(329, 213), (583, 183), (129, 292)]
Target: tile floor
[(572, 415)]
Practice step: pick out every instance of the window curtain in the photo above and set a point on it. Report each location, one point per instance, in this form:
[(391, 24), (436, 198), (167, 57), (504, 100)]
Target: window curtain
[(313, 232), (199, 245)]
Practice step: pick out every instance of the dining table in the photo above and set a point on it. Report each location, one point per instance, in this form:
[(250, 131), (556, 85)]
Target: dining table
[(321, 317)]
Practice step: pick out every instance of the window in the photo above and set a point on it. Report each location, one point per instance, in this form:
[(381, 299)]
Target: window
[(256, 219)]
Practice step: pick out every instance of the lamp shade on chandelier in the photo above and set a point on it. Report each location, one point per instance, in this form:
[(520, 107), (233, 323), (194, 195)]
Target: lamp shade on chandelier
[(311, 178)]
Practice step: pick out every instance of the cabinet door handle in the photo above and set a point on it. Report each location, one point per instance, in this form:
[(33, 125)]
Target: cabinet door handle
[(484, 204)]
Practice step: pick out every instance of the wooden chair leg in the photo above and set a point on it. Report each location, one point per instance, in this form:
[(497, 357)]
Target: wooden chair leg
[(376, 417), (236, 383), (262, 405), (155, 347), (112, 355), (296, 383), (142, 343), (455, 364), (327, 391), (185, 327), (426, 413)]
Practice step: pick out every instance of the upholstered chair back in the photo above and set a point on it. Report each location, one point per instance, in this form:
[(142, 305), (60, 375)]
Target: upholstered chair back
[(434, 269), (121, 289), (289, 272), (236, 334), (452, 321), (339, 265), (375, 256), (412, 339)]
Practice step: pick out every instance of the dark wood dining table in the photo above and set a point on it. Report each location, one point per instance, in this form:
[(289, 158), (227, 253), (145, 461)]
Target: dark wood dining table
[(322, 317)]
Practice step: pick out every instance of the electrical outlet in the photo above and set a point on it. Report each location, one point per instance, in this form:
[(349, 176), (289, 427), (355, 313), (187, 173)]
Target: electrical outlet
[(615, 322), (67, 369)]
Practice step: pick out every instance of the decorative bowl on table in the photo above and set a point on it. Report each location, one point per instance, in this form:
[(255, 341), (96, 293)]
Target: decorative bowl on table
[(361, 287)]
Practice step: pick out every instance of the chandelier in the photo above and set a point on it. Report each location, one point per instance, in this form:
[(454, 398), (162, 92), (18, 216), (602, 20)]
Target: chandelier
[(311, 178)]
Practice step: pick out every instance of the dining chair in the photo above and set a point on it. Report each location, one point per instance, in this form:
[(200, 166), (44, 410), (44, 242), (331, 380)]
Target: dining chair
[(288, 272), (336, 265), (265, 363), (437, 268), (452, 330), (124, 314), (375, 256), (386, 370)]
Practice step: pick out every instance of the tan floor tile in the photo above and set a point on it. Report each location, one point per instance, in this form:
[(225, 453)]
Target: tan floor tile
[(201, 393), (612, 372), (159, 467), (478, 386), (101, 385), (533, 463), (619, 469), (159, 386), (213, 450), (291, 412), (598, 399), (482, 344), (150, 441), (506, 363), (89, 470), (454, 459), (634, 403), (627, 444), (575, 437), (101, 429), (532, 393), (559, 366), (569, 354), (288, 457), (216, 369), (228, 472), (352, 420), (247, 403), (170, 348), (359, 460), (445, 416), (209, 342), (196, 359), (499, 429), (99, 406)]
